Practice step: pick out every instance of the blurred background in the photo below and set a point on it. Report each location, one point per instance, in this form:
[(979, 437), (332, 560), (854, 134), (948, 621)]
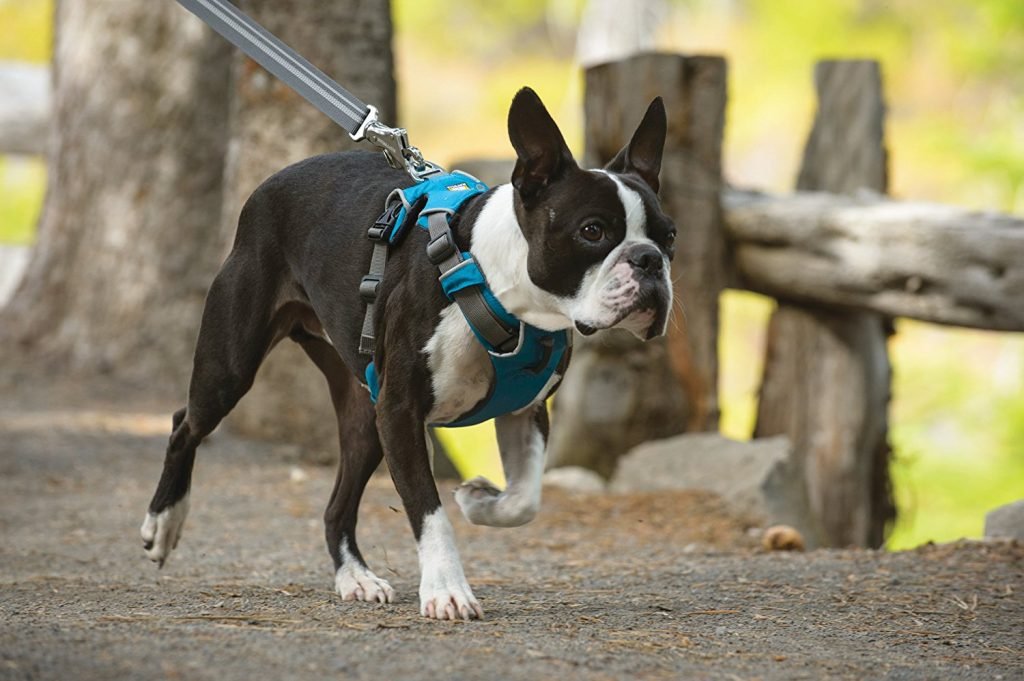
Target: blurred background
[(954, 85)]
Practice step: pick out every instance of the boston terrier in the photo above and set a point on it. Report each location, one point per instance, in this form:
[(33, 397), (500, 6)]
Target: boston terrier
[(560, 247)]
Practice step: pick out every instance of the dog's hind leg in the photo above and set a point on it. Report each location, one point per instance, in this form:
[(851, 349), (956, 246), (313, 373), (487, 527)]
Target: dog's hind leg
[(236, 332), (361, 453), (522, 440)]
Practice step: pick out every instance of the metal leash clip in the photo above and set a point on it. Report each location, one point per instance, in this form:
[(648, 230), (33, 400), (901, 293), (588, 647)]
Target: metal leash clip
[(394, 142)]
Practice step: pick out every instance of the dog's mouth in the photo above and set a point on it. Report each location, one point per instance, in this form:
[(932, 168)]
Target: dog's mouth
[(642, 311), (643, 322)]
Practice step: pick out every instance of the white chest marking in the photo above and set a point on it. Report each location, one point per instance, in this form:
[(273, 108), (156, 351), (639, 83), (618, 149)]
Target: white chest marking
[(461, 370)]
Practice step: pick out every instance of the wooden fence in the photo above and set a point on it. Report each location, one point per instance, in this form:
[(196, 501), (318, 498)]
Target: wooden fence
[(841, 260)]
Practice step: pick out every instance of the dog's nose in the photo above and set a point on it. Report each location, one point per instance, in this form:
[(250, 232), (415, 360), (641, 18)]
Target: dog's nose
[(645, 258)]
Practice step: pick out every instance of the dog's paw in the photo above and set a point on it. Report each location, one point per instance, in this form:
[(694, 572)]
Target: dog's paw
[(354, 582), (476, 489), (442, 601), (482, 503), (162, 531)]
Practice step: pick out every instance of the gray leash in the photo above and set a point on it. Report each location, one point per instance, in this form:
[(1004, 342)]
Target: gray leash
[(340, 105)]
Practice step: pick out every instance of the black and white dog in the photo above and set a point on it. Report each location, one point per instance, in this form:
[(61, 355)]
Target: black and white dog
[(560, 247)]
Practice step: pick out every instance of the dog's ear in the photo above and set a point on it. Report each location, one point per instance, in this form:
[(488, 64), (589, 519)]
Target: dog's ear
[(642, 156), (542, 152)]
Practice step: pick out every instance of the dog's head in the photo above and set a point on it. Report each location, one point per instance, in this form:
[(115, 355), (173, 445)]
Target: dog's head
[(598, 241)]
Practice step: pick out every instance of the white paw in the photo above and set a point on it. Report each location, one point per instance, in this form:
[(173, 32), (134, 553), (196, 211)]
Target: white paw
[(444, 593), (441, 601), (482, 503), (161, 532), (353, 582)]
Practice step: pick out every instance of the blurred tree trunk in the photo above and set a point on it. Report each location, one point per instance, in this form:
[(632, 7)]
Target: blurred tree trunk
[(270, 128), (130, 234)]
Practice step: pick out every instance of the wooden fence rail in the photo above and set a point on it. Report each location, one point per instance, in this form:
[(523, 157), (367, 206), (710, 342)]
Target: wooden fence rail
[(924, 261)]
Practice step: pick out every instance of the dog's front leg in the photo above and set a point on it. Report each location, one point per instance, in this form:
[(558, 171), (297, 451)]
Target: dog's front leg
[(444, 591), (522, 439)]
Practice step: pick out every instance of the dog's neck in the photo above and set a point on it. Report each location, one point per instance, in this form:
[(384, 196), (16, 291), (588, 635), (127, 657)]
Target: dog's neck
[(499, 247)]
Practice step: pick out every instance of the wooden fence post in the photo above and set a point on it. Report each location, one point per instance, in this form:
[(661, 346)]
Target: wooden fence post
[(620, 392), (827, 376)]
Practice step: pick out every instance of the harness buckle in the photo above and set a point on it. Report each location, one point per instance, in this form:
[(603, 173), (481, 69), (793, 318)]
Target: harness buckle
[(441, 248), (368, 287), (384, 225)]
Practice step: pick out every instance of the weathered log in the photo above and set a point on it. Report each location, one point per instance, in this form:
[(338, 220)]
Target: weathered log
[(25, 100), (926, 261), (827, 375), (620, 392)]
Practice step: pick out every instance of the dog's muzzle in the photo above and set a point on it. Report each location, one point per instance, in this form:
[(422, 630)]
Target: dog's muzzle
[(644, 310)]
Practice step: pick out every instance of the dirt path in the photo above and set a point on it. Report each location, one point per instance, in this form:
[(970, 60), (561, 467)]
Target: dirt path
[(610, 587)]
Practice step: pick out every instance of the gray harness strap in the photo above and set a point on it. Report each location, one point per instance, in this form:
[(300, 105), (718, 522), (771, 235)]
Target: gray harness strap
[(368, 289), (369, 286), (443, 253)]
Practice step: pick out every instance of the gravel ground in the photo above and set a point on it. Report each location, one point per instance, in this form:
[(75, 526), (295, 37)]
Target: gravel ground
[(663, 585)]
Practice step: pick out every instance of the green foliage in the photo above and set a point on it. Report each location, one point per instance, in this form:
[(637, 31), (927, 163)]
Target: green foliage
[(958, 430), (744, 320), (954, 77), (26, 30), (22, 183)]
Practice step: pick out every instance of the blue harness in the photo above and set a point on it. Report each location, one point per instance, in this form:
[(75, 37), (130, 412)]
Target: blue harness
[(525, 364)]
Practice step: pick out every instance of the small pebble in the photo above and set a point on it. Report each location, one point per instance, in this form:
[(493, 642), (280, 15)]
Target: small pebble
[(782, 538)]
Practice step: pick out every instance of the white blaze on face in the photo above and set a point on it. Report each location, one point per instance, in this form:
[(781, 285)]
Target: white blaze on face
[(611, 287)]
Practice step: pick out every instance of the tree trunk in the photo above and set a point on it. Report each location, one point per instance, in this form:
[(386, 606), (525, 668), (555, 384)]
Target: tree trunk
[(272, 127), (130, 234), (619, 391), (827, 377)]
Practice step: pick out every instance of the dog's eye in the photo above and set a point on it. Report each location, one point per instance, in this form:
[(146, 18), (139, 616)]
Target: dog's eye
[(670, 241), (592, 232)]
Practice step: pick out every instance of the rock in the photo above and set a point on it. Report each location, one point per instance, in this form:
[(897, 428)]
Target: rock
[(1006, 522), (575, 478), (755, 478)]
